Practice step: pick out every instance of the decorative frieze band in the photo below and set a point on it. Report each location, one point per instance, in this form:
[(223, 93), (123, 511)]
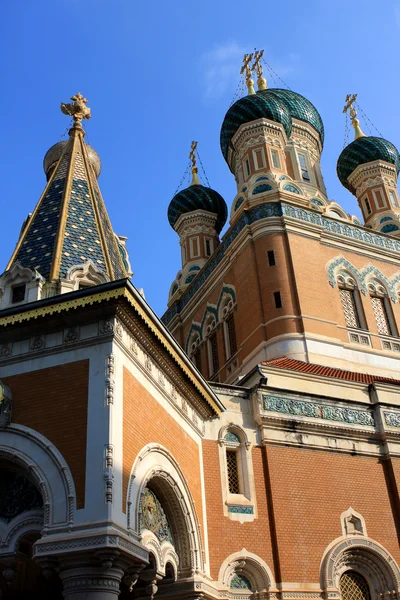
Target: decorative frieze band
[(392, 419), (243, 510), (289, 406)]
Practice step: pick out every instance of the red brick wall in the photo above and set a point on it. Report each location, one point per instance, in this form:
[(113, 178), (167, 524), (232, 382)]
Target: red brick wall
[(145, 421), (224, 535), (310, 490), (54, 402)]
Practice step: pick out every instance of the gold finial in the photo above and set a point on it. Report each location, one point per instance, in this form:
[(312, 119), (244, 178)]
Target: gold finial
[(192, 156), (77, 110), (258, 68), (247, 68), (350, 100)]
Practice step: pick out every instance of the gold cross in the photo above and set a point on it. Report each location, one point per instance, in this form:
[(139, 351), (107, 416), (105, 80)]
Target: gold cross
[(77, 110), (192, 154), (246, 65), (257, 66), (350, 100)]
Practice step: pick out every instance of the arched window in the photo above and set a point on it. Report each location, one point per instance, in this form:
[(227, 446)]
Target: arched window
[(350, 300), (236, 472), (227, 315), (195, 351), (240, 582), (353, 586), (381, 307), (210, 332)]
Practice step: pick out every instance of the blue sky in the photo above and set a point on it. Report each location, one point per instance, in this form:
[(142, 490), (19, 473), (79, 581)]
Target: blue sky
[(160, 74)]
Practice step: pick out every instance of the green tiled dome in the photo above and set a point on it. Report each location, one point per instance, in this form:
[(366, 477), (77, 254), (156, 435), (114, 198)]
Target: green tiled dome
[(299, 108), (197, 197), (364, 150), (250, 108)]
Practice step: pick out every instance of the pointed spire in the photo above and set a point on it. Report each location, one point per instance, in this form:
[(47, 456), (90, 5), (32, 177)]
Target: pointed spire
[(195, 170), (349, 106), (246, 68), (70, 225), (258, 68)]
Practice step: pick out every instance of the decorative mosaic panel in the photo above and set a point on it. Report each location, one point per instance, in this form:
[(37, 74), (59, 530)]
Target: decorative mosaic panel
[(349, 308), (230, 436), (354, 587), (153, 518), (392, 419), (243, 510), (263, 187), (381, 316), (240, 582), (18, 495), (327, 412)]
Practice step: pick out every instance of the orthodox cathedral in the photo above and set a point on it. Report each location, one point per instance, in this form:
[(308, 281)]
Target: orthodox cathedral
[(247, 445)]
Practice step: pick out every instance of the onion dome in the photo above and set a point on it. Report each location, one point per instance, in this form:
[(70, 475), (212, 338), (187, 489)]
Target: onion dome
[(198, 197), (363, 150), (53, 155), (299, 108), (264, 104)]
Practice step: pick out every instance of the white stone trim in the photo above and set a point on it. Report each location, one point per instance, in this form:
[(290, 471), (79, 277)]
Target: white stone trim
[(156, 463), (352, 517), (251, 565)]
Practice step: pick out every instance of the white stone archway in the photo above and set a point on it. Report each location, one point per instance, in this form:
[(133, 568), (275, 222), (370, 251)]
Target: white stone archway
[(250, 565), (364, 555), (156, 464), (36, 456)]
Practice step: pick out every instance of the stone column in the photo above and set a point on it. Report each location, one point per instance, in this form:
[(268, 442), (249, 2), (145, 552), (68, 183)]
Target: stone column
[(91, 583)]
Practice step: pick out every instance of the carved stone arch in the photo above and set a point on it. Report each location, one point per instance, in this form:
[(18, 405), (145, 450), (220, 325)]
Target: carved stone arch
[(26, 522), (156, 466), (237, 430), (86, 274), (228, 294), (340, 263), (373, 276), (251, 566), (195, 330), (46, 468), (395, 283), (336, 208), (210, 314), (361, 554)]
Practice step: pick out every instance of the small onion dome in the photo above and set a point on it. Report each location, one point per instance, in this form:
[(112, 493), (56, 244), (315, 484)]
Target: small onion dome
[(364, 150), (198, 197), (299, 108), (54, 153), (250, 108)]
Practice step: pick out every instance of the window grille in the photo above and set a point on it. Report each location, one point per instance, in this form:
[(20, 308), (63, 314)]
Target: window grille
[(233, 474), (230, 322), (303, 167), (382, 321), (349, 308), (240, 582), (214, 362), (354, 587)]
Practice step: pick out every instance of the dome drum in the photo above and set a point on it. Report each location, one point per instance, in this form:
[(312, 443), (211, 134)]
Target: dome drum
[(54, 154)]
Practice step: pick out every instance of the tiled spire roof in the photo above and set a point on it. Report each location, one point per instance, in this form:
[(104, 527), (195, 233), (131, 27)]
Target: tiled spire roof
[(70, 224)]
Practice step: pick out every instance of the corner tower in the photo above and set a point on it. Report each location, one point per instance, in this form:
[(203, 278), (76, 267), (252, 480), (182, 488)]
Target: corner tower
[(369, 168), (68, 242)]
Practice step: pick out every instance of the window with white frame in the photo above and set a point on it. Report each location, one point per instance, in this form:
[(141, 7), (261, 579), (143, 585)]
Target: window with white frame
[(212, 345), (394, 198), (194, 247), (208, 246), (303, 167), (247, 167), (275, 159), (258, 158), (227, 315), (378, 198), (368, 209), (195, 351), (351, 302), (237, 472), (381, 308)]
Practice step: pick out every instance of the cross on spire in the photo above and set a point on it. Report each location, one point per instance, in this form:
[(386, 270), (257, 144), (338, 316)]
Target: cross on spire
[(77, 109), (247, 68), (349, 107), (258, 68), (192, 156)]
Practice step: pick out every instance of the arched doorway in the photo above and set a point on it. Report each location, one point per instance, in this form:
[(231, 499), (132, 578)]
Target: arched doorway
[(21, 523)]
